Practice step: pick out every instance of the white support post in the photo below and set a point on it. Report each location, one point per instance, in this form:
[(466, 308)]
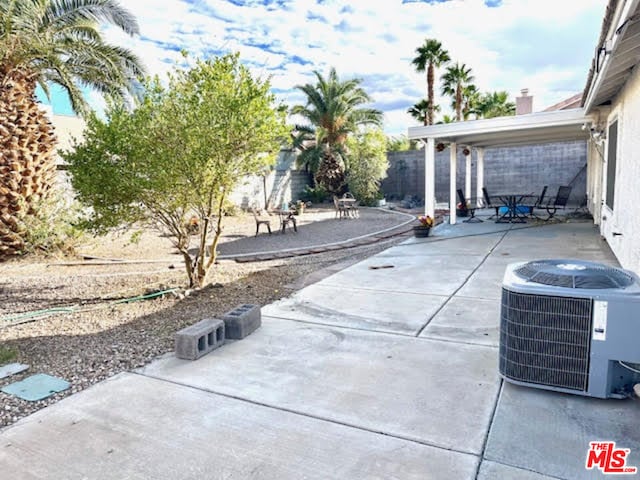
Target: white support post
[(480, 175), (453, 159), (467, 176), (429, 177)]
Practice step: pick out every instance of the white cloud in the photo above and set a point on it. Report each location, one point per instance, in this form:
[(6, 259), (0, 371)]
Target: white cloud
[(544, 45)]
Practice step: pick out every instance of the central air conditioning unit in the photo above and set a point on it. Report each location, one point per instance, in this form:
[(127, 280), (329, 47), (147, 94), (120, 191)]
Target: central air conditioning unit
[(571, 326)]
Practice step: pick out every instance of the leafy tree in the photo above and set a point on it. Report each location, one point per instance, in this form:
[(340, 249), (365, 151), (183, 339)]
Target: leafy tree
[(49, 42), (455, 79), (367, 163), (175, 159), (401, 143), (334, 109), (430, 56)]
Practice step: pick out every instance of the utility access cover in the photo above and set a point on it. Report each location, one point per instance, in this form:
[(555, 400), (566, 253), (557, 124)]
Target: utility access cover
[(12, 369), (36, 387)]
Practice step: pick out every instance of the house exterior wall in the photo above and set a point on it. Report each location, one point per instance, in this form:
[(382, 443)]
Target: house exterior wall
[(595, 154), (623, 220), (67, 128), (506, 169)]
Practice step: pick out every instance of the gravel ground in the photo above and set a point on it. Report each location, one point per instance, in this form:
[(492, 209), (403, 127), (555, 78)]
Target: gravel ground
[(101, 338), (315, 227)]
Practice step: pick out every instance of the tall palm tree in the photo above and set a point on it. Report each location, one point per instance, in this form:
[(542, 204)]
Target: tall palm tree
[(333, 110), (430, 56), (420, 111), (495, 104), (46, 42), (454, 80)]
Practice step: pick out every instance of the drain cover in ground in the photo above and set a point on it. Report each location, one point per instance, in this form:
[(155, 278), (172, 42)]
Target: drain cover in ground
[(36, 387), (12, 369)]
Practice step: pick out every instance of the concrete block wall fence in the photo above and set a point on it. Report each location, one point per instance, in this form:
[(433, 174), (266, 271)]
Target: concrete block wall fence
[(506, 169)]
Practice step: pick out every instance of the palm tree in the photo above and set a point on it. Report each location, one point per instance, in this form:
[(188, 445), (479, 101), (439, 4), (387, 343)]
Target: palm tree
[(470, 101), (430, 56), (446, 119), (333, 110), (46, 42), (495, 104), (454, 80), (420, 111)]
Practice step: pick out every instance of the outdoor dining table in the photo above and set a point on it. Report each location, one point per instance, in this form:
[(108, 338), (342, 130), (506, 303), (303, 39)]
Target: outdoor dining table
[(513, 203), (348, 203)]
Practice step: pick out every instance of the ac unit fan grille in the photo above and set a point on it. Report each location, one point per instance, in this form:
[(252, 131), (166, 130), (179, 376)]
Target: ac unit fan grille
[(583, 275), (545, 339)]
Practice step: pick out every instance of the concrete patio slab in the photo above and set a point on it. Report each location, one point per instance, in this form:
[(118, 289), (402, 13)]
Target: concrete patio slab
[(486, 282), (475, 245), (567, 240), (497, 471), (435, 274), (549, 432), (466, 320), (139, 428), (437, 393), (395, 312)]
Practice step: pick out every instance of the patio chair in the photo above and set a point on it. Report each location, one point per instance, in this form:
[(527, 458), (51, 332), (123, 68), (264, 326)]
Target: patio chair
[(261, 219), (463, 211), (539, 201), (286, 218), (559, 202), (470, 205), (488, 203), (341, 210)]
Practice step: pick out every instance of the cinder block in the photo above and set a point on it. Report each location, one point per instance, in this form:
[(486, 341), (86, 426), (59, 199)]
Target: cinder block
[(241, 321), (199, 339)]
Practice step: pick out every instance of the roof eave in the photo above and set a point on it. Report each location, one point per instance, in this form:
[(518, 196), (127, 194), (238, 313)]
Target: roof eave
[(501, 124)]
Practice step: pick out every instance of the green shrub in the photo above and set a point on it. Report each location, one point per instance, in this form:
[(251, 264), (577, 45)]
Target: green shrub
[(316, 194), (366, 164), (6, 355), (53, 228)]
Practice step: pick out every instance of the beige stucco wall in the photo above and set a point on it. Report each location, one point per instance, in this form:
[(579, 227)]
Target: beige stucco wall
[(67, 127), (624, 219), (595, 162)]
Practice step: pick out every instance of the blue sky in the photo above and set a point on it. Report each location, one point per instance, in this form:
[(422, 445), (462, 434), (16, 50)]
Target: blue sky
[(543, 45)]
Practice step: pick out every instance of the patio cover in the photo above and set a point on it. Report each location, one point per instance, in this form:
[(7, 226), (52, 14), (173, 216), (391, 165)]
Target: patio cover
[(530, 129)]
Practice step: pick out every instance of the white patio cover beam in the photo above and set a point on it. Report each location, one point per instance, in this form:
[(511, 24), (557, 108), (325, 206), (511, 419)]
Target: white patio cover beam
[(467, 176), (479, 174), (430, 177), (453, 158)]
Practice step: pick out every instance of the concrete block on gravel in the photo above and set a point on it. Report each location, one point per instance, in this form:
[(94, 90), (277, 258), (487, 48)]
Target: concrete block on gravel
[(199, 339), (241, 321)]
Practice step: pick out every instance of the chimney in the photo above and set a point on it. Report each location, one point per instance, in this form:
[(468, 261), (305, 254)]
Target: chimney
[(524, 104)]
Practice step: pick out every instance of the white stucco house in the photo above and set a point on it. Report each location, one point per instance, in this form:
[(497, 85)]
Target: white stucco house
[(608, 119)]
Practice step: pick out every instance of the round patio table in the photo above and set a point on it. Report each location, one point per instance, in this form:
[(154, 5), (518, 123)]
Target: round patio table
[(514, 204)]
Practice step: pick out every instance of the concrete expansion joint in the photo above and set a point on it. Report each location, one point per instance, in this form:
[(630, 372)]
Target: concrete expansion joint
[(485, 441), (466, 280), (306, 415), (382, 332)]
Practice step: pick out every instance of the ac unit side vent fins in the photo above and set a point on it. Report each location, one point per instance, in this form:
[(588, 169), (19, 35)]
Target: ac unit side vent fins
[(545, 339)]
